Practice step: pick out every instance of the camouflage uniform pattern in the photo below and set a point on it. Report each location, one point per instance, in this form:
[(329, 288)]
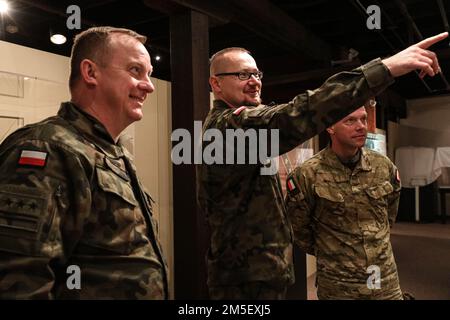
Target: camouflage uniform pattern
[(251, 237), (85, 207), (255, 290), (343, 218)]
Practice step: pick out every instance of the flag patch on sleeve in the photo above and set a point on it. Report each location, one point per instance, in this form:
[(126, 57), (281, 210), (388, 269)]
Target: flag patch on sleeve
[(292, 186), (239, 110), (33, 158)]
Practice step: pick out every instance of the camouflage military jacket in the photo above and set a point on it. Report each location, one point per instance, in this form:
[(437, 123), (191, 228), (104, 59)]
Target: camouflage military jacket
[(69, 196), (250, 234), (343, 217)]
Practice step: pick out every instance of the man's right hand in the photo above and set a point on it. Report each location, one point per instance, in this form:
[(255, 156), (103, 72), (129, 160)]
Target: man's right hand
[(416, 57)]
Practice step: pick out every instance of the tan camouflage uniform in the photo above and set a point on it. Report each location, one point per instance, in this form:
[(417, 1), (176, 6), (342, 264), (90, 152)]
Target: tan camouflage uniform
[(84, 207), (343, 217), (251, 237)]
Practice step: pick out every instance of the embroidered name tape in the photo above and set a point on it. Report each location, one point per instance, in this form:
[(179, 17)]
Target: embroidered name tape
[(33, 158)]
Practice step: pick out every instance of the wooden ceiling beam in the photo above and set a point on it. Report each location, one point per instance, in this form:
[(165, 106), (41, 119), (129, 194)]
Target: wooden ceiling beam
[(311, 75), (265, 20)]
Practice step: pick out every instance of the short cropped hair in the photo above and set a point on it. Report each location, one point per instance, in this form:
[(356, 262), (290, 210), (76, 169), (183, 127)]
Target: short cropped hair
[(216, 58), (93, 44)]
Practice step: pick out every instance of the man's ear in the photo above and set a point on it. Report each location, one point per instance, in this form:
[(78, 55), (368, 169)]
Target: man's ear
[(214, 83), (89, 72), (330, 130)]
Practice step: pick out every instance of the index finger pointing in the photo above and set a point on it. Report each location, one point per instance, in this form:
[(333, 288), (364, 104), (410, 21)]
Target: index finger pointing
[(432, 40)]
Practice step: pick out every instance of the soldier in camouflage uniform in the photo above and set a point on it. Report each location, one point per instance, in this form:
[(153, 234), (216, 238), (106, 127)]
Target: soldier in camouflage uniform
[(69, 194), (250, 254), (342, 203)]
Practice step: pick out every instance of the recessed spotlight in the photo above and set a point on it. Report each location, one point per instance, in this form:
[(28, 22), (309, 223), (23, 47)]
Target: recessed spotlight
[(157, 58), (4, 6), (58, 38)]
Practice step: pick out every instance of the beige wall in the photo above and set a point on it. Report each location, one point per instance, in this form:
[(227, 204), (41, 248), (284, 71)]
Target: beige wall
[(429, 113), (427, 125), (152, 146), (44, 77)]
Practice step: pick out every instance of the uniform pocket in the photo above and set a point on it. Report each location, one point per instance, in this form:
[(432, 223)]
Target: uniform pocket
[(379, 191), (330, 205), (378, 198), (112, 224), (109, 182), (329, 194)]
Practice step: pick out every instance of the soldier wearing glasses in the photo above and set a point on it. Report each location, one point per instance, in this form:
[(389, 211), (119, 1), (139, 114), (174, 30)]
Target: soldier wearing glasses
[(250, 254)]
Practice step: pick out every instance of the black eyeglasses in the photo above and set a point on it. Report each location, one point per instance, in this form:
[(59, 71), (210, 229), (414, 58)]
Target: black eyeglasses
[(243, 75)]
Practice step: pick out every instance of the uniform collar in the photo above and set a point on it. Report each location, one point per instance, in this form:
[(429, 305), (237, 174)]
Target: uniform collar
[(90, 128), (220, 104), (332, 160)]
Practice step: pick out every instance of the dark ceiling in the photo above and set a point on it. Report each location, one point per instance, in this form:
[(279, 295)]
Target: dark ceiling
[(297, 43)]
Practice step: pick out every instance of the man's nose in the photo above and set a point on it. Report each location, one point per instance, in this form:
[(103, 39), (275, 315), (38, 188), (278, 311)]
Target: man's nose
[(147, 85), (254, 80), (361, 124)]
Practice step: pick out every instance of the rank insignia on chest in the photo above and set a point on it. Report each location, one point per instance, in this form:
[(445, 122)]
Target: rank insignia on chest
[(292, 186), (33, 158)]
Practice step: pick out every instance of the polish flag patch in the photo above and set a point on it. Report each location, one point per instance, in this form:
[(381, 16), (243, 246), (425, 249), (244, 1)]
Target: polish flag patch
[(291, 185), (239, 110), (33, 158)]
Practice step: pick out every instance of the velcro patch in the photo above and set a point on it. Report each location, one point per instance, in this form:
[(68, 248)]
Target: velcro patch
[(20, 213), (239, 110), (292, 186), (33, 158)]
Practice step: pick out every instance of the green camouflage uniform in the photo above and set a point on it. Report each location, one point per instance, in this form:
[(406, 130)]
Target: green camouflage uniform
[(78, 202), (251, 238), (343, 217)]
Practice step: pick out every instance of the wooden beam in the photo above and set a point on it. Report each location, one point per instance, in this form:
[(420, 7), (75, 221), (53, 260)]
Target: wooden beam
[(170, 7), (267, 21), (189, 47), (164, 6), (317, 74)]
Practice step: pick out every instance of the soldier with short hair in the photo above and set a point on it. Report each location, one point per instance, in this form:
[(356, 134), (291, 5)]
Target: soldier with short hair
[(342, 203), (69, 193), (250, 254)]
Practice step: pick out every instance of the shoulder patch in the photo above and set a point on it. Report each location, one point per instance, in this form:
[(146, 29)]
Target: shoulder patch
[(292, 186), (239, 110), (397, 175), (33, 158)]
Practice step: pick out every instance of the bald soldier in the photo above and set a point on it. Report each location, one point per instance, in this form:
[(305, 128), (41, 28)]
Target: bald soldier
[(75, 221), (342, 203), (250, 254)]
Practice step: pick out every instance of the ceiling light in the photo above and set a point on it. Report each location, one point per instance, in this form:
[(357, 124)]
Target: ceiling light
[(3, 6), (157, 58), (58, 38)]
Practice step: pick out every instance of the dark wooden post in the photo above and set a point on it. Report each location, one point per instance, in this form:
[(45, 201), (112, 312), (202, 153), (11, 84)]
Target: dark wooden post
[(189, 47)]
